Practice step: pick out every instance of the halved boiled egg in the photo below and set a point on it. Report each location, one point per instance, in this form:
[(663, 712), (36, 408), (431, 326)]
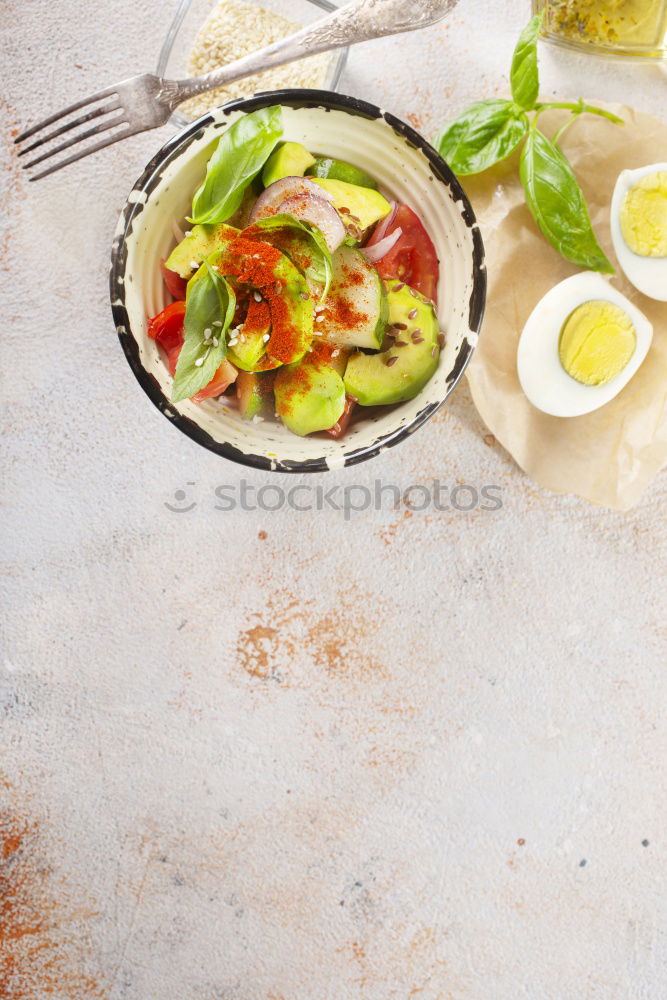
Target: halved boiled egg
[(581, 344), (639, 228)]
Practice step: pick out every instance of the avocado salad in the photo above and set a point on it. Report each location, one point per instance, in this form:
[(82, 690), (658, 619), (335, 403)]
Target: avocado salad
[(300, 291)]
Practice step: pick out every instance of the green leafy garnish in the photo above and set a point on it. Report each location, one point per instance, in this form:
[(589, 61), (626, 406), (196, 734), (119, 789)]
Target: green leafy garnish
[(484, 134), (489, 131), (524, 76), (209, 311), (319, 266), (239, 156), (557, 203)]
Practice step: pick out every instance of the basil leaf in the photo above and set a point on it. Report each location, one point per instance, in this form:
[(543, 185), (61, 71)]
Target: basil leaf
[(484, 134), (318, 264), (524, 76), (558, 205), (210, 300), (239, 156)]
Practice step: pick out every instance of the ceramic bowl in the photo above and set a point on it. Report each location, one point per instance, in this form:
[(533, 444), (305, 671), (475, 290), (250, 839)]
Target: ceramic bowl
[(405, 166)]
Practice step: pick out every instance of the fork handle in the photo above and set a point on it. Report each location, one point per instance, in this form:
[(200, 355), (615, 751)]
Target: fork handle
[(358, 21)]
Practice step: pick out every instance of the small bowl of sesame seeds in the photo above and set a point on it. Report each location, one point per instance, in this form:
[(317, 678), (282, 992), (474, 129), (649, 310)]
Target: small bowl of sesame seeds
[(207, 34), (407, 169)]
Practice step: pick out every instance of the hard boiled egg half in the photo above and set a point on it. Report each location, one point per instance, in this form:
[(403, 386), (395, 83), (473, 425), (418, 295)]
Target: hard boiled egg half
[(639, 228), (581, 344)]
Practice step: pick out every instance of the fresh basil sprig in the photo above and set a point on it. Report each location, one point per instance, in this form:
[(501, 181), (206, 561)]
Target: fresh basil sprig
[(209, 311), (524, 76), (488, 131), (485, 133), (240, 154), (320, 266), (557, 203)]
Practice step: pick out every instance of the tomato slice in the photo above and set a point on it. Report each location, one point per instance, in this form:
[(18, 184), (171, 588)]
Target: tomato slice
[(341, 425), (166, 329), (225, 375), (412, 259), (175, 284)]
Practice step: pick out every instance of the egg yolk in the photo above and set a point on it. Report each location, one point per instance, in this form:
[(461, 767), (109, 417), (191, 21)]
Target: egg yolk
[(644, 216), (596, 342)]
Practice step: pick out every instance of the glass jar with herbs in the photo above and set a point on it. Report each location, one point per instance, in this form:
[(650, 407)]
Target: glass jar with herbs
[(635, 28)]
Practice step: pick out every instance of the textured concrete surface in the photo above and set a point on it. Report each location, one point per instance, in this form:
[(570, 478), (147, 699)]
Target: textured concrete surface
[(285, 756)]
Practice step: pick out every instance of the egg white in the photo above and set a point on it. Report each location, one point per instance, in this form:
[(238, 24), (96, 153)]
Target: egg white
[(647, 274), (541, 374)]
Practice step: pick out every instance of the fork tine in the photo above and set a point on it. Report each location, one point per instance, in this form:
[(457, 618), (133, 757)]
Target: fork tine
[(126, 132), (108, 92), (101, 127), (105, 109)]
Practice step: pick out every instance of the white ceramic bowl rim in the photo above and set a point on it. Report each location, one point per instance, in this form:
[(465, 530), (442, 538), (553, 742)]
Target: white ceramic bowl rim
[(150, 179)]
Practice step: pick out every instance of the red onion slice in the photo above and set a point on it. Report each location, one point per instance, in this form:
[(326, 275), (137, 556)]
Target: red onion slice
[(268, 201), (383, 225), (376, 251), (318, 212)]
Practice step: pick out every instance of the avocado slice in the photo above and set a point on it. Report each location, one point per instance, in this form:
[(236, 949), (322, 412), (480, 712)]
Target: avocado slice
[(402, 371), (339, 170), (200, 243), (289, 160), (310, 395), (252, 391), (272, 277), (363, 205), (250, 343)]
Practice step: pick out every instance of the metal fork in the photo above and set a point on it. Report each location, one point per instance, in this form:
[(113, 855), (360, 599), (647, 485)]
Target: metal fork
[(145, 102)]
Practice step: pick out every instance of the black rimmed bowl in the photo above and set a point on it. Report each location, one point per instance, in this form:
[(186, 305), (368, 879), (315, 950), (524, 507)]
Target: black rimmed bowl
[(405, 166)]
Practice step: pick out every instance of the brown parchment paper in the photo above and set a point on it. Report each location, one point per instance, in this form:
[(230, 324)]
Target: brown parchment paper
[(609, 456)]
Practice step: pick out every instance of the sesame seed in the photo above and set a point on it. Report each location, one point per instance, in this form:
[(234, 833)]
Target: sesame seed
[(194, 264), (208, 331), (391, 361), (232, 343), (188, 232), (413, 313), (215, 341), (334, 354), (265, 338), (257, 297), (224, 37), (199, 362), (318, 319), (207, 340), (217, 322)]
